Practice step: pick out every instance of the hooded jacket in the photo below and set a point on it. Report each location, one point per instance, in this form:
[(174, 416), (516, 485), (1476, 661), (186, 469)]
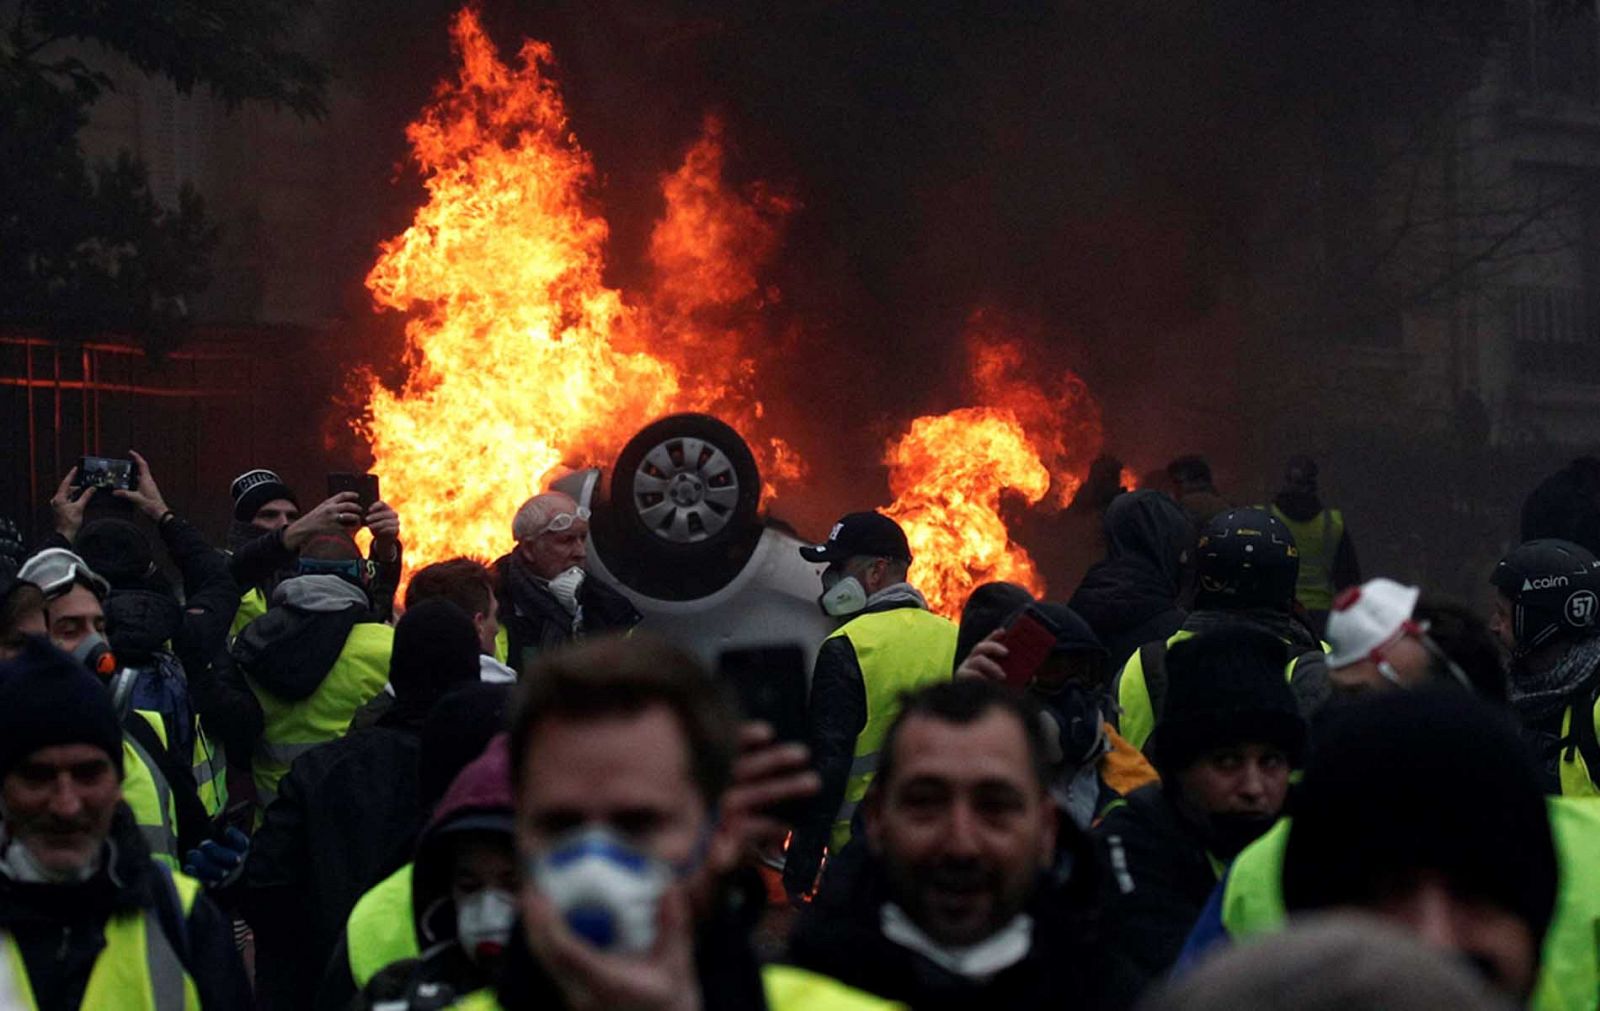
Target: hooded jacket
[(1131, 597), (60, 929), (290, 649), (841, 935)]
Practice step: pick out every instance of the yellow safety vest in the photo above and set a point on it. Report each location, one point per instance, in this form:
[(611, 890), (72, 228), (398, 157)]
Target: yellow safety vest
[(1318, 542), (1138, 719), (251, 606), (137, 970), (381, 929), (899, 651), (149, 796), (210, 767), (1576, 777), (1569, 965), (787, 989), (293, 728)]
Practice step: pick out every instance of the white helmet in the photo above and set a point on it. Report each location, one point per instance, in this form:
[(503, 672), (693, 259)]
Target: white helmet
[(1367, 618)]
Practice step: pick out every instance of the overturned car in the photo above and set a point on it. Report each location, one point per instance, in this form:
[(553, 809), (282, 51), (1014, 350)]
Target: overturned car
[(678, 529)]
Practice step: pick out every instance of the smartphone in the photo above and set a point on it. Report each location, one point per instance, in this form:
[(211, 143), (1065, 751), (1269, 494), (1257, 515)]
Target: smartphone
[(364, 485), (104, 472), (771, 685), (1028, 641)]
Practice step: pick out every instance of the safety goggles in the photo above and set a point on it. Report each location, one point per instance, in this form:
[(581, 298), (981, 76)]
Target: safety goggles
[(1418, 630), (56, 570), (562, 522)]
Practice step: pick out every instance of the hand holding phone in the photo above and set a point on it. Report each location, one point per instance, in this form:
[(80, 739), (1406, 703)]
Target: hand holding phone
[(365, 487), (104, 472)]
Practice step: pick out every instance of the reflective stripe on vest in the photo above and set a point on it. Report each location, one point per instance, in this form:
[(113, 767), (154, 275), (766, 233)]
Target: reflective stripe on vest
[(899, 651), (293, 728), (149, 796), (381, 929), (1569, 964), (210, 768), (1317, 540), (137, 970), (791, 989)]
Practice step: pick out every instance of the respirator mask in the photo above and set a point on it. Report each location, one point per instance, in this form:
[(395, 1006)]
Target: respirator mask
[(565, 586), (483, 922), (842, 595), (607, 890)]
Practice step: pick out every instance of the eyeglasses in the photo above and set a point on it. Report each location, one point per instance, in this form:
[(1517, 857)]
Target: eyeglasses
[(562, 522), (55, 570)]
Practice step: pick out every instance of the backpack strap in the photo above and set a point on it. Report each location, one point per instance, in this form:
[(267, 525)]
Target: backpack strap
[(1153, 658)]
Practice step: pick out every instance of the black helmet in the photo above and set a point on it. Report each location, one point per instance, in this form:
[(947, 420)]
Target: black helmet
[(1554, 589), (1247, 559)]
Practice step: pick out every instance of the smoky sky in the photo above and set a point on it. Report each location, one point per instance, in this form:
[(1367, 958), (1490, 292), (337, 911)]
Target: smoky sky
[(1097, 170)]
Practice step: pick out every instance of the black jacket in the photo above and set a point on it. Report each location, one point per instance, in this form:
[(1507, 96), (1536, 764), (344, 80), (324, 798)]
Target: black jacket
[(535, 621), (60, 929), (1069, 964), (835, 716), (1131, 597), (342, 813), (1161, 877)]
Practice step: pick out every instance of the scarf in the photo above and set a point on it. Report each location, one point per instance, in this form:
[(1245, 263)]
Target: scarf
[(1540, 696)]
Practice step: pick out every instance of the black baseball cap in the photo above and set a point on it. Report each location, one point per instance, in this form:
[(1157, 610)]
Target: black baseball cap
[(869, 533)]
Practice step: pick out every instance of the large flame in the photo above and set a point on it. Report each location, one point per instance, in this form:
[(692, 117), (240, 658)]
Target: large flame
[(1034, 438), (521, 360)]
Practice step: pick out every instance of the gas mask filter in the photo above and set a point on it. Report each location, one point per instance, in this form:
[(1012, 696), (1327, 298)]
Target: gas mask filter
[(842, 595)]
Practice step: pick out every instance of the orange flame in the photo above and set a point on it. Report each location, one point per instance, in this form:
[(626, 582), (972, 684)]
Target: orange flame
[(521, 360), (948, 472)]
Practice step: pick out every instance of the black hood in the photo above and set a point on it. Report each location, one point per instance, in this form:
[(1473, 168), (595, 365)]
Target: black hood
[(1299, 505), (1142, 574), (140, 623)]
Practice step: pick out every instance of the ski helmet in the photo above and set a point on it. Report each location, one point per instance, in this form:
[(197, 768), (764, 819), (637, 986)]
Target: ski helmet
[(1247, 558), (1554, 589)]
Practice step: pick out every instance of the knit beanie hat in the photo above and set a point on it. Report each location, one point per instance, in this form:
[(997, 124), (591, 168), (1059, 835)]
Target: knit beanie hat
[(254, 489), (1428, 780), (118, 550), (1225, 687), (46, 699), (435, 650)]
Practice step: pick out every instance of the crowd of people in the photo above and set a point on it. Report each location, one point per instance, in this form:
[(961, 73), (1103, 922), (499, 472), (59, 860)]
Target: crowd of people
[(1224, 771)]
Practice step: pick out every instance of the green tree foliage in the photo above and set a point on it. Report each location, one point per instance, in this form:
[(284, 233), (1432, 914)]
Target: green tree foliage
[(86, 248)]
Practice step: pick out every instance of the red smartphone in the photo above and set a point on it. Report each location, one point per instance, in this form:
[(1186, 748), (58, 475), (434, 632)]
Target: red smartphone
[(1028, 641)]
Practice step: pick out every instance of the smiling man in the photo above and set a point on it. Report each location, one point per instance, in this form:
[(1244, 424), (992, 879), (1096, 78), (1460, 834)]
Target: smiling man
[(90, 919), (957, 905)]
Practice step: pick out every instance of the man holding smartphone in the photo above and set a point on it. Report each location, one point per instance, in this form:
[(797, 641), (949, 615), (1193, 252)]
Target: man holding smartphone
[(268, 531), (888, 645)]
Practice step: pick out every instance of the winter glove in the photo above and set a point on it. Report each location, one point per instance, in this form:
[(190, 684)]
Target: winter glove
[(218, 862)]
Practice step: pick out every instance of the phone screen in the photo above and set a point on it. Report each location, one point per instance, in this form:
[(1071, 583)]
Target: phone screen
[(104, 472)]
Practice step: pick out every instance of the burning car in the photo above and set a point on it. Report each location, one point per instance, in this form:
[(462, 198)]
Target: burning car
[(678, 529)]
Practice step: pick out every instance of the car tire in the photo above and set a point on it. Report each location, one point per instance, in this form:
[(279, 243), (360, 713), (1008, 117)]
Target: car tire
[(684, 500)]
